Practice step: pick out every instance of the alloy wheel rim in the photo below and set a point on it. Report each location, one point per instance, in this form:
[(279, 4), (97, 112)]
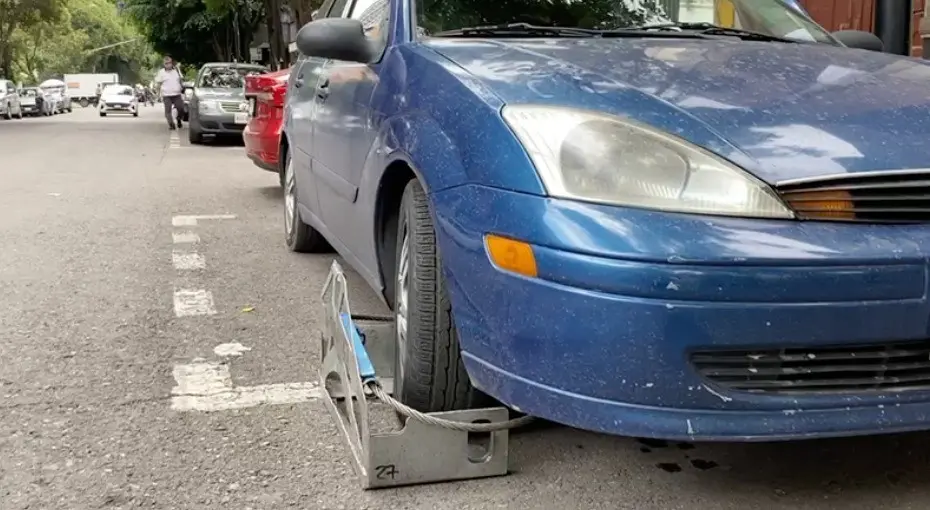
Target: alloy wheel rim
[(402, 306), (290, 199)]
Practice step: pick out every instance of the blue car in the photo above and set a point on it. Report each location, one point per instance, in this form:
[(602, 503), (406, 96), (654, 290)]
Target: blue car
[(642, 218)]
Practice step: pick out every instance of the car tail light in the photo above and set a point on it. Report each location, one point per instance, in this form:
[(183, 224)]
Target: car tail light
[(270, 88)]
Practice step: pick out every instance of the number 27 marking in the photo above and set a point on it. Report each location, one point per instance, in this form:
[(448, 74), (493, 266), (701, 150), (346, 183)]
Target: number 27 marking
[(386, 471)]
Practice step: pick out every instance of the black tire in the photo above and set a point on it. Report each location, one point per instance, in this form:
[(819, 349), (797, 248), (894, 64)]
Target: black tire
[(428, 371), (84, 103), (299, 236), (194, 135)]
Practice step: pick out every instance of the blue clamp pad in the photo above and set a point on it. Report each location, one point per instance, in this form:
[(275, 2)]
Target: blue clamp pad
[(365, 369)]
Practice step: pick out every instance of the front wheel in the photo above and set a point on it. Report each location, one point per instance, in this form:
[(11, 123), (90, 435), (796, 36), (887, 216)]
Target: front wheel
[(84, 103), (194, 135), (299, 236), (428, 371)]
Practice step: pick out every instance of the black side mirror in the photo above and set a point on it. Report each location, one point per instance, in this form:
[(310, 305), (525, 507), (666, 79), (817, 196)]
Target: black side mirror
[(859, 39), (335, 38)]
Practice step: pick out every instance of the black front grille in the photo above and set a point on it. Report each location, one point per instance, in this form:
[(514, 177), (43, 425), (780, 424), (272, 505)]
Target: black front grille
[(888, 197), (851, 368)]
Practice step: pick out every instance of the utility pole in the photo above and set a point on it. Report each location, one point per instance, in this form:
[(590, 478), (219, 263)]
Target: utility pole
[(893, 25)]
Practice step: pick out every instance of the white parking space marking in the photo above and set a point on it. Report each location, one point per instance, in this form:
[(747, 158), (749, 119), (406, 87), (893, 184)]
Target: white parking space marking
[(193, 303), (192, 219), (188, 261), (233, 349), (185, 238), (207, 386), (174, 141)]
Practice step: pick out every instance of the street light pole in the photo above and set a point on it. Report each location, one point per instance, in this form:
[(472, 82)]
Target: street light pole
[(127, 41)]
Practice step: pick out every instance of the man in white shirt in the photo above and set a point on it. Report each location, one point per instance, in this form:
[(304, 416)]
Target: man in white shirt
[(169, 79)]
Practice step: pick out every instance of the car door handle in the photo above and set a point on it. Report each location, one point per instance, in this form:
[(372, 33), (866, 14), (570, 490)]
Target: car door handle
[(322, 90)]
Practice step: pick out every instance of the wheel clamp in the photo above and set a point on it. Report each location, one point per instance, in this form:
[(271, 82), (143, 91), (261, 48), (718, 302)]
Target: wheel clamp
[(430, 447)]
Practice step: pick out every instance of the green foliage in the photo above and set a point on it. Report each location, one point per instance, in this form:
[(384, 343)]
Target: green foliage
[(198, 31), (17, 14), (77, 36)]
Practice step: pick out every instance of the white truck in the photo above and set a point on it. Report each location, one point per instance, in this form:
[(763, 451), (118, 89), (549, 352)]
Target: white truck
[(82, 88)]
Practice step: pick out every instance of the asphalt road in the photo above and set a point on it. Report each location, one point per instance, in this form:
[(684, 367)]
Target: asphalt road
[(91, 348)]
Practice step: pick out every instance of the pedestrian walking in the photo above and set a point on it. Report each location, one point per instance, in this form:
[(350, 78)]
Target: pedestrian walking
[(169, 80)]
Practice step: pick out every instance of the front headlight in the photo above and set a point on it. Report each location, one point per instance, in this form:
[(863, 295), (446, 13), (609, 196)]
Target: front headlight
[(595, 157), (209, 106)]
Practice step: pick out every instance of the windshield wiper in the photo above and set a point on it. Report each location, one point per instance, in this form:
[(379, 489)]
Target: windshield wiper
[(519, 30), (711, 29), (528, 30)]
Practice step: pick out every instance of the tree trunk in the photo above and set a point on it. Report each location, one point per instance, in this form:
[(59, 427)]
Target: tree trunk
[(6, 61)]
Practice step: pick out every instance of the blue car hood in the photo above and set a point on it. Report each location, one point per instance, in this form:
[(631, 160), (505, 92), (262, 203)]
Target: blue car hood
[(782, 111)]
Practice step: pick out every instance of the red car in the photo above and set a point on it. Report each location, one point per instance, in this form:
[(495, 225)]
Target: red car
[(262, 135)]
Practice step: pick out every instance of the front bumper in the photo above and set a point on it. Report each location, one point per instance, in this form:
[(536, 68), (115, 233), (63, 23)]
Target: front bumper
[(220, 124), (603, 338), (118, 108)]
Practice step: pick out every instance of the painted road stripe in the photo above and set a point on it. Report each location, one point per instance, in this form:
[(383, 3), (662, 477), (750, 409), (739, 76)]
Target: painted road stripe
[(207, 386), (193, 303), (188, 261), (190, 220), (185, 238), (174, 141)]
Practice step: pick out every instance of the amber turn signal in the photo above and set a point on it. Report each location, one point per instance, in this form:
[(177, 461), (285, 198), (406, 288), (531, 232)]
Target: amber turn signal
[(511, 255), (822, 205)]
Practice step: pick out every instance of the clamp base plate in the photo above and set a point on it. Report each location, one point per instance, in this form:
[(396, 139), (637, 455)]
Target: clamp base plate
[(417, 453)]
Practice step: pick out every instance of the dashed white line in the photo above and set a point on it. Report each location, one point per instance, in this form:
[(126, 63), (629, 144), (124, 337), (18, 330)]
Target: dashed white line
[(185, 238), (190, 220), (174, 141), (193, 303), (188, 261), (207, 386)]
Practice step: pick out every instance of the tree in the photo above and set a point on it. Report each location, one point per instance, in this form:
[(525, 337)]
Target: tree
[(198, 31), (19, 14), (85, 35)]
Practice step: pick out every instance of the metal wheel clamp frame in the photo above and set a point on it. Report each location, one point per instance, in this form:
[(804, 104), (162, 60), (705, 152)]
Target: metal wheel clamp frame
[(354, 350)]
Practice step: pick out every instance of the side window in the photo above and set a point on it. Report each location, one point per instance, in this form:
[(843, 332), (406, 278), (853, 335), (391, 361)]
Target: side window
[(374, 15), (338, 9)]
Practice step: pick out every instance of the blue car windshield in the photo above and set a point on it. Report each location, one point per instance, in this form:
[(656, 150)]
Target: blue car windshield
[(777, 18)]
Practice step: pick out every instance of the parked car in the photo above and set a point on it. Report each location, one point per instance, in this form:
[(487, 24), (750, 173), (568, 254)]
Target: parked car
[(262, 134), (679, 230), (119, 99), (217, 105), (34, 102), (55, 91), (10, 105)]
